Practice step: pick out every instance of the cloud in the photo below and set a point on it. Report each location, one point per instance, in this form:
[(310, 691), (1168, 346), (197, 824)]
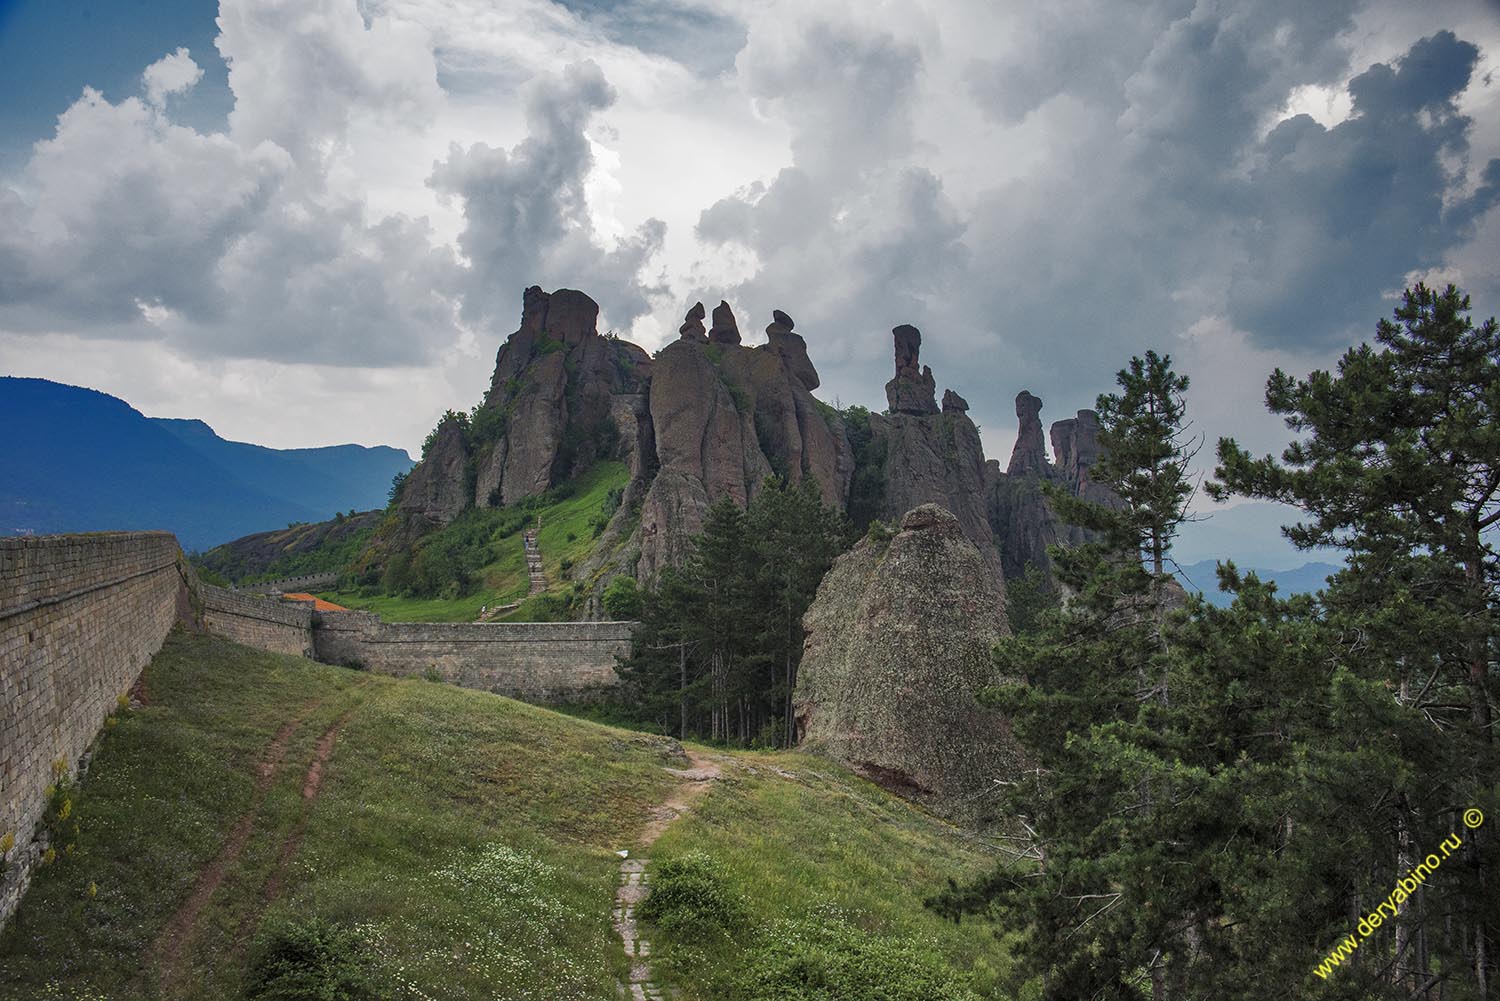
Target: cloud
[(261, 242), (171, 74), (526, 215), (1339, 216), (1044, 189)]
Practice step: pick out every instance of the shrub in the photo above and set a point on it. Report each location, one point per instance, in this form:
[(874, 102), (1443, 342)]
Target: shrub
[(691, 898), (302, 959), (622, 598), (812, 960)]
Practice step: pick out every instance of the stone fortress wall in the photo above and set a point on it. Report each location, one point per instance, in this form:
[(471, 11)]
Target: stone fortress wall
[(278, 626), (540, 662), (80, 615), (306, 582)]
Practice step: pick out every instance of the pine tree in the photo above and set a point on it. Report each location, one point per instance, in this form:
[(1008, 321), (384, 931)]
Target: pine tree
[(1093, 710), (1399, 464), (721, 636)]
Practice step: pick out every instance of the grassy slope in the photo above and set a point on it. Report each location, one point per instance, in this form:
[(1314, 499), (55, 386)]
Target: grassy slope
[(803, 838), (470, 835), (505, 578)]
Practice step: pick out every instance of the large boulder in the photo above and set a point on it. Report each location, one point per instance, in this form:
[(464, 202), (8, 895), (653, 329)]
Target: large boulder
[(897, 651)]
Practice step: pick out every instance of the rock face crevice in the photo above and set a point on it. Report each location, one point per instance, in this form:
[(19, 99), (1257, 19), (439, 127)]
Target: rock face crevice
[(897, 651)]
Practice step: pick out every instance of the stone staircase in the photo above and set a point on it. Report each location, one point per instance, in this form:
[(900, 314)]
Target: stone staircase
[(633, 888), (534, 560)]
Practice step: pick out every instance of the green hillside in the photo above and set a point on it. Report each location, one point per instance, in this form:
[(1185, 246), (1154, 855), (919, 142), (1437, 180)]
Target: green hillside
[(458, 844), (480, 556)]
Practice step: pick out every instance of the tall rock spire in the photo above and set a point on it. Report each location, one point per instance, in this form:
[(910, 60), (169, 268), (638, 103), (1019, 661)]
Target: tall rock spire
[(1030, 454), (913, 390)]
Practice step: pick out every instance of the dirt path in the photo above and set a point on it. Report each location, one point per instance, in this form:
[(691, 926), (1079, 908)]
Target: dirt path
[(276, 882), (635, 881), (170, 945)]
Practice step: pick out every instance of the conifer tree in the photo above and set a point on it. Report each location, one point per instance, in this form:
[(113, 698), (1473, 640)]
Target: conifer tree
[(1093, 711), (1399, 464)]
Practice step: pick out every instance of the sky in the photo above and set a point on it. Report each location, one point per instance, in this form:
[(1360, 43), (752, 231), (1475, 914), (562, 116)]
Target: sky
[(311, 221)]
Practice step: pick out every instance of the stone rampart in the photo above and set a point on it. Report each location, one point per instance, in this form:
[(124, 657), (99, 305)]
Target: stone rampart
[(540, 662), (80, 615), (262, 622), (306, 582)]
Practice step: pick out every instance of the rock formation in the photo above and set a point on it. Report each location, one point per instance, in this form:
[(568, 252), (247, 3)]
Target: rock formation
[(1024, 521), (724, 330), (711, 417), (692, 325), (726, 416), (897, 650), (557, 382), (913, 390), (434, 489), (932, 457), (1029, 455)]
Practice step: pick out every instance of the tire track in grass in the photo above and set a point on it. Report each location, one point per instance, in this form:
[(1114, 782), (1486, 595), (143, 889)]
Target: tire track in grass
[(276, 881), (171, 944)]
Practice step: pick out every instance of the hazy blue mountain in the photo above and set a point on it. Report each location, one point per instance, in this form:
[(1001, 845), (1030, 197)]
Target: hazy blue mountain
[(1202, 577), (77, 460), (329, 479), (1248, 533)]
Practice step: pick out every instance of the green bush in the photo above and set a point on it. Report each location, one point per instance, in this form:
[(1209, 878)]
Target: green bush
[(691, 898), (622, 599), (813, 960), (311, 959)]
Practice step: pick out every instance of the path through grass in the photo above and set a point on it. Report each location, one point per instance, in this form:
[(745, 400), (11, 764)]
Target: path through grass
[(467, 837)]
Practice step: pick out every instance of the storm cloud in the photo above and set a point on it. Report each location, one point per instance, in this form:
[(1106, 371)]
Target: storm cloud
[(1044, 189)]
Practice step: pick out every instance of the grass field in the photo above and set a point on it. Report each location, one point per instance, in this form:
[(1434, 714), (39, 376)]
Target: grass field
[(466, 839), (804, 842)]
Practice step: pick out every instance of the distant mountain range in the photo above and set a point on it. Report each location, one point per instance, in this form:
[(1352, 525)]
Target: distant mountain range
[(78, 460), (1203, 578)]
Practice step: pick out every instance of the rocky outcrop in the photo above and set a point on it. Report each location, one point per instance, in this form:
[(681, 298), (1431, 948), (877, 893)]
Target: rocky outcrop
[(712, 417), (1030, 454), (897, 650), (913, 390), (434, 489), (726, 416), (932, 457), (724, 330), (692, 325), (1019, 512), (560, 398)]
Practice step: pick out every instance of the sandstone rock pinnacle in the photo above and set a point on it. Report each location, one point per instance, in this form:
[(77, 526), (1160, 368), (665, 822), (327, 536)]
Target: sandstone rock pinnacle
[(913, 390), (953, 403), (724, 330), (1030, 453), (692, 325), (791, 348)]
